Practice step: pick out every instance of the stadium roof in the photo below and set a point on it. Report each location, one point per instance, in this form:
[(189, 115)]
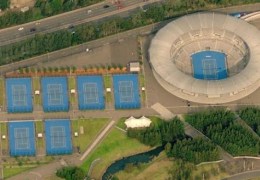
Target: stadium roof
[(205, 91)]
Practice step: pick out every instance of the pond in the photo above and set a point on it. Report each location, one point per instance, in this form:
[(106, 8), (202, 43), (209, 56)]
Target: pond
[(119, 165)]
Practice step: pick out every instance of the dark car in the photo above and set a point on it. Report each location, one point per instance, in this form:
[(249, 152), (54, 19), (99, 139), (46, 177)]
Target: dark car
[(106, 6), (71, 27), (32, 29)]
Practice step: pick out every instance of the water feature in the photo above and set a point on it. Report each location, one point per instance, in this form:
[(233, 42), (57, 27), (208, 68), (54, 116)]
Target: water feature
[(135, 159)]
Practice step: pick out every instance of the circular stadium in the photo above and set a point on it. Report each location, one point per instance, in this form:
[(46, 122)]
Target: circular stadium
[(208, 58)]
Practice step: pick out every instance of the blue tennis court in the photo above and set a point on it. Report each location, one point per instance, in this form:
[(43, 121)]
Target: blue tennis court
[(19, 95), (209, 65), (90, 92), (55, 94), (21, 138), (126, 91), (58, 136)]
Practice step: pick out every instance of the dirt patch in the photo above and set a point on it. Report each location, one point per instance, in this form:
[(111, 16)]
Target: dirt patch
[(21, 3)]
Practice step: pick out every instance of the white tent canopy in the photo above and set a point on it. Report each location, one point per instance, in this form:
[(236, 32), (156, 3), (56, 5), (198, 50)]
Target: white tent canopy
[(136, 123)]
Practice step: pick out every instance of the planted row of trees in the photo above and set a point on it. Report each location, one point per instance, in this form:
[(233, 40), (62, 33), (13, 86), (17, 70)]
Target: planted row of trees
[(158, 134), (193, 150), (4, 4), (251, 115), (220, 127)]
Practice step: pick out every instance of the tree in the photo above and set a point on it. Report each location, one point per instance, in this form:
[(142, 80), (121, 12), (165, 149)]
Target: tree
[(71, 173)]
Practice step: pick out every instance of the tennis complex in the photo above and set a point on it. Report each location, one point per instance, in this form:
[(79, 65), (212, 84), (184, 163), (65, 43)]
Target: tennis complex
[(19, 95), (207, 58), (90, 92), (22, 138), (126, 91), (58, 136), (55, 94)]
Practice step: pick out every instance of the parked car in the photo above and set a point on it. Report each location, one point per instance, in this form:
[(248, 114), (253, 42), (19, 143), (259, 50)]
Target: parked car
[(20, 29), (32, 29)]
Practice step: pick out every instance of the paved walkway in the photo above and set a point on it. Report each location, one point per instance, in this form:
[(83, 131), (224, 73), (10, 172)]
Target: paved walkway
[(244, 175), (97, 140)]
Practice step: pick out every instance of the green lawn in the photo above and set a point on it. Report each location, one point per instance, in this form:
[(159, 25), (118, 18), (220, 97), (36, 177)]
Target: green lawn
[(4, 142), (91, 129), (108, 84), (142, 84), (149, 170), (141, 80), (115, 146), (8, 172), (72, 85), (121, 123), (2, 92), (152, 172), (107, 81), (39, 129), (37, 86), (211, 171)]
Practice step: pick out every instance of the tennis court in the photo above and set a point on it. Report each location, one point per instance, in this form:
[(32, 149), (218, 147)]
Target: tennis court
[(55, 94), (19, 95), (126, 91), (209, 65), (90, 92), (21, 138), (58, 136)]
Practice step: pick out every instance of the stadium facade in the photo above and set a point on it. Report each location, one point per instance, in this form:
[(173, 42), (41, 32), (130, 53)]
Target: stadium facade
[(231, 74)]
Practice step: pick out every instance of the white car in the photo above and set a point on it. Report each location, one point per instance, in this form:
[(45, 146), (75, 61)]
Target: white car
[(20, 29)]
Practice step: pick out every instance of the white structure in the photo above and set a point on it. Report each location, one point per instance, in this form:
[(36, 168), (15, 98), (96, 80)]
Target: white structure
[(72, 91), (171, 49), (134, 66), (76, 134), (39, 135), (37, 92), (3, 137), (24, 9), (108, 89), (137, 123)]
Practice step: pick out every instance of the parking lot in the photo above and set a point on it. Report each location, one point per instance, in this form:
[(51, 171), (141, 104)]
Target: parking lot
[(121, 52)]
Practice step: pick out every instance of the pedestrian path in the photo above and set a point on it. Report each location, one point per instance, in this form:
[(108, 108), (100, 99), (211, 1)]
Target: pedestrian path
[(93, 145)]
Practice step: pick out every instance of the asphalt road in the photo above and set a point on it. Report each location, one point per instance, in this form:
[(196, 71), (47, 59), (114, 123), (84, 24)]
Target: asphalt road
[(244, 175), (65, 20)]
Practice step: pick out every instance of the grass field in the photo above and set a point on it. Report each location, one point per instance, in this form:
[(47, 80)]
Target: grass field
[(115, 146), (121, 123), (152, 172), (148, 171), (91, 129), (209, 171), (142, 84), (39, 129), (72, 85), (8, 172), (2, 92), (4, 142), (37, 86), (108, 84)]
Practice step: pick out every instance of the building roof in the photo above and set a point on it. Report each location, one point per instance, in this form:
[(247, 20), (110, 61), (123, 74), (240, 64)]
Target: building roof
[(136, 123)]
